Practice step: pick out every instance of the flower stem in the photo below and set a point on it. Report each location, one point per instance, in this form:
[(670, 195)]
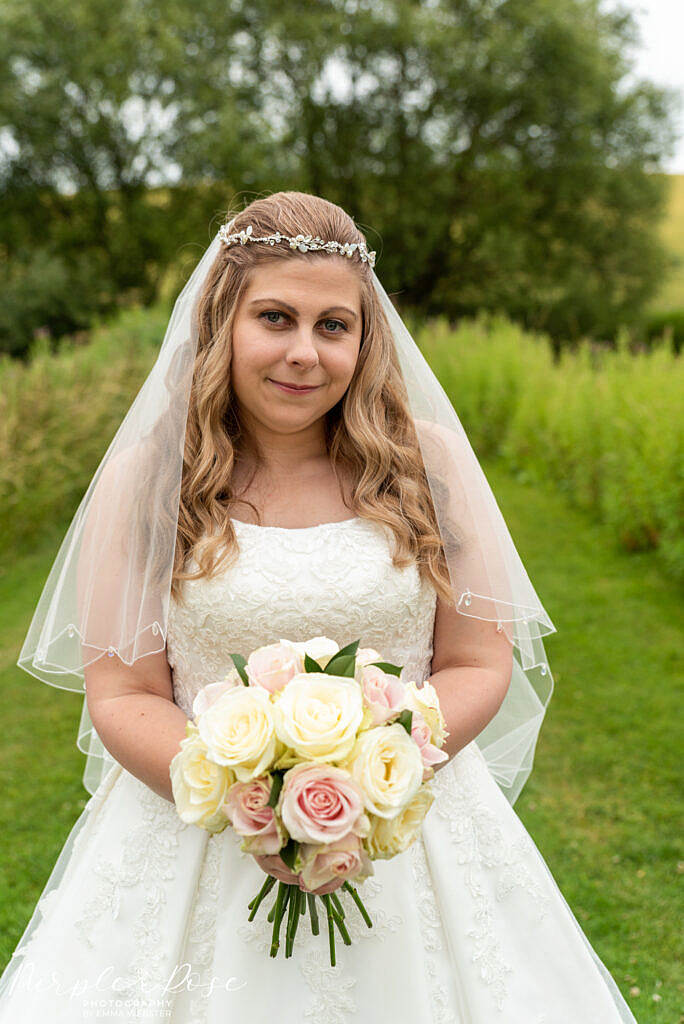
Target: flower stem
[(311, 900), (331, 927), (278, 914), (293, 920), (340, 924), (336, 900), (359, 903), (264, 891)]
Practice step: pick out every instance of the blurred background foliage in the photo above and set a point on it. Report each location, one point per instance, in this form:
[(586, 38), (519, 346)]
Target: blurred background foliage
[(491, 151)]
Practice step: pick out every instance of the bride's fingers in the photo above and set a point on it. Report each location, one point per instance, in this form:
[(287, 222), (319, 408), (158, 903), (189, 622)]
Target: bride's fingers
[(323, 889), (273, 865)]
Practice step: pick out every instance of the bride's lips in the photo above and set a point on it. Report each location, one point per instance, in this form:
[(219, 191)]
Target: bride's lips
[(293, 391)]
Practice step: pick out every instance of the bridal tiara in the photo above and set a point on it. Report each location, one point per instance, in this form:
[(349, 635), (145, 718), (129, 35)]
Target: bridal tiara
[(301, 242)]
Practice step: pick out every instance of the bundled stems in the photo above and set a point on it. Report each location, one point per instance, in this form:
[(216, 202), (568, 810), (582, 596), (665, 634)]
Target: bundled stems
[(298, 900)]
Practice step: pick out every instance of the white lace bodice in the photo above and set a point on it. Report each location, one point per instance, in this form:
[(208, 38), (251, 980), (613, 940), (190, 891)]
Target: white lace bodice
[(335, 579)]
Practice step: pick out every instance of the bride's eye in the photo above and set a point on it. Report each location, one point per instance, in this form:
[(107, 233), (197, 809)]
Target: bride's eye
[(275, 312), (270, 312), (343, 326)]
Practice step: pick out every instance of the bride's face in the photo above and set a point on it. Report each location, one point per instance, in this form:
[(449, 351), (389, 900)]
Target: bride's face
[(298, 323)]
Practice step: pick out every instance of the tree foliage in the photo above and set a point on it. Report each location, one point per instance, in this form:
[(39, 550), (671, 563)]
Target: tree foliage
[(491, 149)]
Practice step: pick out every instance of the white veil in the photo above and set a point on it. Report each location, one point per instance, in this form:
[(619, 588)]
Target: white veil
[(109, 587)]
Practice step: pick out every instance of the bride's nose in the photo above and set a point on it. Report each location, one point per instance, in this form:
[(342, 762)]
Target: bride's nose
[(302, 349)]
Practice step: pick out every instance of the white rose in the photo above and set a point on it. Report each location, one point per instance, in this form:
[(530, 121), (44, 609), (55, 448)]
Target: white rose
[(239, 732), (425, 700), (320, 648), (199, 785), (390, 836), (388, 766), (318, 715)]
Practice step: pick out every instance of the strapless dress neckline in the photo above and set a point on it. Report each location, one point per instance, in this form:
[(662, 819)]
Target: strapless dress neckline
[(297, 529)]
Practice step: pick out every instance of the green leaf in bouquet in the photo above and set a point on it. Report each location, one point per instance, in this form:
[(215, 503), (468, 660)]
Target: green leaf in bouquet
[(240, 663), (288, 853), (276, 786), (387, 666), (405, 719), (343, 662), (310, 664)]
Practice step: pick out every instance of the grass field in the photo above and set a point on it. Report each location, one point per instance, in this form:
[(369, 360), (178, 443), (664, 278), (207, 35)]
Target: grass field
[(602, 804)]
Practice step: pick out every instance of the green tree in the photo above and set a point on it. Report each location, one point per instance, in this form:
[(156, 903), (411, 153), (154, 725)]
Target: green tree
[(491, 148)]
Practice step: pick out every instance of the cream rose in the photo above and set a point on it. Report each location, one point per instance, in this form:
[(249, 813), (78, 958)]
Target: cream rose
[(318, 715), (390, 836), (239, 731), (199, 785), (320, 648), (388, 766), (425, 700)]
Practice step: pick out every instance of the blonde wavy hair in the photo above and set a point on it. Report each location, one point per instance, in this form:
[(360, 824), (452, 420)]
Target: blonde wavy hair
[(369, 433)]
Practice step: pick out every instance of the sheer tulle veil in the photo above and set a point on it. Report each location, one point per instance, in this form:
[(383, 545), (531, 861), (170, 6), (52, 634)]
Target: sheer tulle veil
[(108, 590)]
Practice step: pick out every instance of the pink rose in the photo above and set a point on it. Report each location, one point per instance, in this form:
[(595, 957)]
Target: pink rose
[(210, 693), (320, 803), (383, 692), (432, 755), (273, 666), (341, 860), (246, 806)]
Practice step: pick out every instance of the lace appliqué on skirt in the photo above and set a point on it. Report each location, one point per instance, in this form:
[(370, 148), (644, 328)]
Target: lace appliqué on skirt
[(201, 937), (432, 933), (481, 846), (148, 859)]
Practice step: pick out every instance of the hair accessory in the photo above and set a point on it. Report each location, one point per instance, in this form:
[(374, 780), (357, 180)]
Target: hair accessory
[(301, 242)]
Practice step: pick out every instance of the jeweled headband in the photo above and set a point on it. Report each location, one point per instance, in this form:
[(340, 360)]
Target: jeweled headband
[(301, 242)]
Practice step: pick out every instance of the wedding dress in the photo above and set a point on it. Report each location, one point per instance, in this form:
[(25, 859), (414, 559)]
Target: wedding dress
[(145, 917)]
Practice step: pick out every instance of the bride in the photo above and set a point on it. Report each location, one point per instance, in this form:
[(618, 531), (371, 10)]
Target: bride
[(291, 468)]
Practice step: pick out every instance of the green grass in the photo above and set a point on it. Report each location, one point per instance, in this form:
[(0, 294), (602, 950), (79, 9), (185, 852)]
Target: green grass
[(602, 803)]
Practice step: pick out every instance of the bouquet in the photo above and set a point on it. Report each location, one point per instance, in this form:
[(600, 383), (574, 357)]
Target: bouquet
[(318, 757)]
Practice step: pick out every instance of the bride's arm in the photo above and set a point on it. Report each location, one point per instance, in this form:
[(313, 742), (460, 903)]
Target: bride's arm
[(132, 709), (472, 666)]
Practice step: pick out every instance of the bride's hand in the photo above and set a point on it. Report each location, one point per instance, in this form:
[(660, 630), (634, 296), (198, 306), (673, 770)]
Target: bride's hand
[(272, 864), (323, 889)]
